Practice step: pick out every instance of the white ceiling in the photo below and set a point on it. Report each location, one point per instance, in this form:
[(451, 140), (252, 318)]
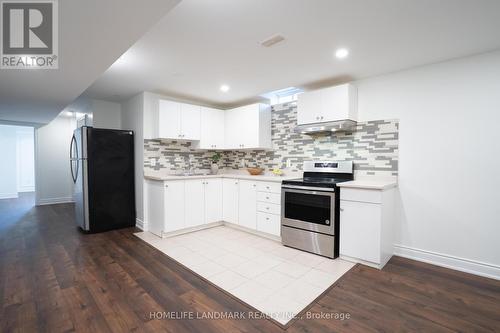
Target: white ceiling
[(92, 35), (202, 44)]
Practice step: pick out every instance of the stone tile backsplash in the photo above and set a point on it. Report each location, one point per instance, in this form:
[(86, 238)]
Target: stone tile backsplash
[(373, 148)]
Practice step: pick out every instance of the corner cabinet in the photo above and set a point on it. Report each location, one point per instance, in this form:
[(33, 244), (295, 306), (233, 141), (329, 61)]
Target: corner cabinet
[(326, 105), (178, 121), (248, 127), (367, 223), (178, 205), (212, 129)]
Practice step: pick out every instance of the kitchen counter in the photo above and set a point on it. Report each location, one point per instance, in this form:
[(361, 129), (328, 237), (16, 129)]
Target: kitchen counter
[(266, 178), (370, 183)]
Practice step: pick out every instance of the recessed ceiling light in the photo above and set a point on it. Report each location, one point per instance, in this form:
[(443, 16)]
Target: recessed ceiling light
[(224, 88), (341, 53)]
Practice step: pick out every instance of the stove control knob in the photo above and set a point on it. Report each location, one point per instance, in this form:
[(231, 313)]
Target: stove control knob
[(327, 222)]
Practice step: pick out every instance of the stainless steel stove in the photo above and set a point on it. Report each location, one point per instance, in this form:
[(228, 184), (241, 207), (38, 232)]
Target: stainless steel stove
[(310, 207)]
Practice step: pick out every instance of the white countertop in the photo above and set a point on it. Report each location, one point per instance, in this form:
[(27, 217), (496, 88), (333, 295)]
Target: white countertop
[(267, 178), (371, 183)]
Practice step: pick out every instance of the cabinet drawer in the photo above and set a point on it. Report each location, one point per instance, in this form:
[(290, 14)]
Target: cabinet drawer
[(269, 197), (269, 208), (268, 223), (361, 195), (269, 187)]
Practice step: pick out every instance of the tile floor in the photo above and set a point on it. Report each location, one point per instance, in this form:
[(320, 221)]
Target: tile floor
[(276, 280)]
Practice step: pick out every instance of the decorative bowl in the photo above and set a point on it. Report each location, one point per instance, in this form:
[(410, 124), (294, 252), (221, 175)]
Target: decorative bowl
[(255, 171)]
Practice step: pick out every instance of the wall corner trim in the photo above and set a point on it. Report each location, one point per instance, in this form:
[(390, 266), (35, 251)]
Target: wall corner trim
[(460, 264)]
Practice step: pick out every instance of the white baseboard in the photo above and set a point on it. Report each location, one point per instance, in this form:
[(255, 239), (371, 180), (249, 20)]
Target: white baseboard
[(53, 201), (141, 225), (8, 195), (26, 189), (460, 264)]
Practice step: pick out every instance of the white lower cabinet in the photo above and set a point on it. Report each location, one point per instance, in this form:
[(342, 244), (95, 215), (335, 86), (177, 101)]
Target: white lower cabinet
[(165, 206), (247, 205), (230, 193), (194, 202), (269, 208), (360, 230), (268, 223), (367, 225), (213, 199), (183, 204)]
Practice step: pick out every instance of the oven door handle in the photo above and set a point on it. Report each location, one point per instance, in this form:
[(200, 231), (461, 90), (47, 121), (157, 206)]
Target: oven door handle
[(306, 189)]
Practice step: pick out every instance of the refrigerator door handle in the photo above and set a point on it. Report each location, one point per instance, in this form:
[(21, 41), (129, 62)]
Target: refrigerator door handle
[(73, 159)]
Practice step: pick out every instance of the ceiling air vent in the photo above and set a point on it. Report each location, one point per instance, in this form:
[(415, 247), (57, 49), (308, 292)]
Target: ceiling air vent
[(274, 39)]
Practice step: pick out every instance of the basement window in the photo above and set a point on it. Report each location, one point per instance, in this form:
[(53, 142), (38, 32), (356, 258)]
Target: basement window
[(283, 95)]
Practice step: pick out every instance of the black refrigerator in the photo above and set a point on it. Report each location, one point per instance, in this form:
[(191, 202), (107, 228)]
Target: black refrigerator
[(102, 167)]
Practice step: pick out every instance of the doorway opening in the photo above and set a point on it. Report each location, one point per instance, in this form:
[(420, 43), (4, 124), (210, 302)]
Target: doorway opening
[(17, 171)]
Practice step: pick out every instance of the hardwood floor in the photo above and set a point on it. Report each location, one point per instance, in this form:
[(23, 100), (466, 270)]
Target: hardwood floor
[(55, 279)]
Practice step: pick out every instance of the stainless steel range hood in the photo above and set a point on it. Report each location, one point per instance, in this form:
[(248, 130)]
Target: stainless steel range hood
[(346, 125)]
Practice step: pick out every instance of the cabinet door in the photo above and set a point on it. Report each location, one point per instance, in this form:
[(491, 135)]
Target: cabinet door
[(156, 207), (174, 205), (247, 213), (194, 202), (190, 122), (335, 103), (269, 223), (230, 194), (360, 224), (212, 129), (232, 129), (309, 107), (248, 135), (213, 200), (169, 120)]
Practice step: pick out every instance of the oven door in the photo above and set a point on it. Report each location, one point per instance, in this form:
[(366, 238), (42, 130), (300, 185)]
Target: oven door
[(312, 210)]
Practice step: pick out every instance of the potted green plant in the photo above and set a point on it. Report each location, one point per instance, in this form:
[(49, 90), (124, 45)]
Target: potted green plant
[(215, 162)]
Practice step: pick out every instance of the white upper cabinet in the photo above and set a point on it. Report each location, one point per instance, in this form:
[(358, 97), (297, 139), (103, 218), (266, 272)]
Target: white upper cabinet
[(190, 122), (169, 120), (248, 127), (329, 104), (212, 129), (178, 121)]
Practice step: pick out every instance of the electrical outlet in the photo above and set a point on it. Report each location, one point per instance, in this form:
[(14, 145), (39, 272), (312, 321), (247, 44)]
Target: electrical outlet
[(152, 162), (242, 163), (289, 163)]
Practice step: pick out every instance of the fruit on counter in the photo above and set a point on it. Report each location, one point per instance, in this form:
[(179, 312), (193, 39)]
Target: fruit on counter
[(277, 172)]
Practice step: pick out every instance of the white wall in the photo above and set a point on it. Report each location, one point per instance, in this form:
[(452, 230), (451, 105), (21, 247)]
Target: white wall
[(8, 169), (449, 169), (25, 147), (106, 114), (53, 175), (132, 119)]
